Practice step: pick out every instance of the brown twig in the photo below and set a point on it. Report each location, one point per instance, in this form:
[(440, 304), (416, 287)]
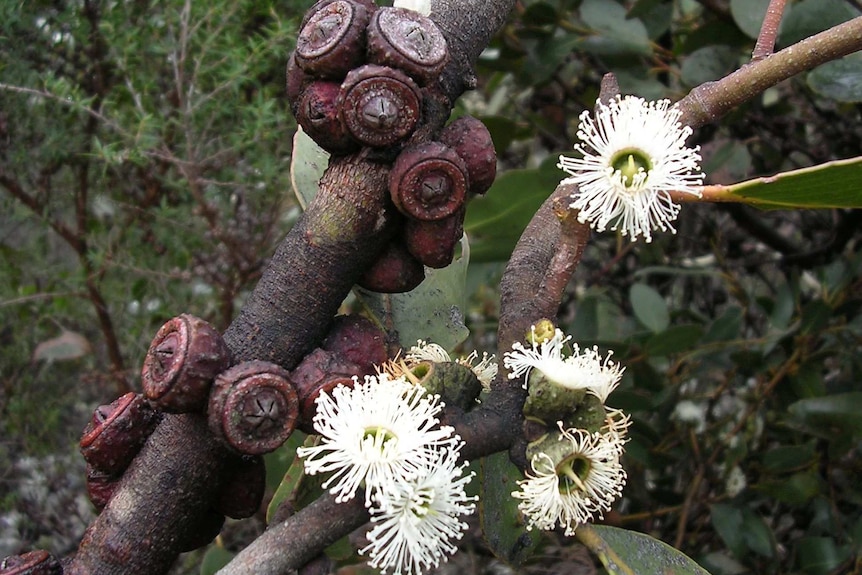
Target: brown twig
[(768, 30), (710, 101)]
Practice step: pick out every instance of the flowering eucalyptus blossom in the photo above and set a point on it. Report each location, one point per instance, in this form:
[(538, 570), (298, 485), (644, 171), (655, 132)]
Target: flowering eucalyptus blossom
[(379, 434), (416, 523), (634, 155), (574, 481)]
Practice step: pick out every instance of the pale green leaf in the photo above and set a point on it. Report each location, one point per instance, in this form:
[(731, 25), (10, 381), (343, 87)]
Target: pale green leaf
[(839, 80), (432, 311), (649, 307), (835, 184), (307, 164), (748, 15), (502, 526), (641, 554)]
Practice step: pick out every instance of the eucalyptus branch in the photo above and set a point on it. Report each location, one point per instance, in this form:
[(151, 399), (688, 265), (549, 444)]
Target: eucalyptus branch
[(710, 101), (769, 30)]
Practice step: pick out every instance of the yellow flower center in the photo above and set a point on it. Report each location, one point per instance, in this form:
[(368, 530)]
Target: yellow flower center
[(379, 437), (629, 163), (572, 473)]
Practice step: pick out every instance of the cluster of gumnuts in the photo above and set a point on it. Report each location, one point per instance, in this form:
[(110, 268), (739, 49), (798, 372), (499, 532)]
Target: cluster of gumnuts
[(364, 76)]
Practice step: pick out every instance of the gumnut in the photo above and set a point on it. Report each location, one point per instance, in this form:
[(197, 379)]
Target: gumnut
[(253, 407), (358, 340), (434, 242), (407, 40), (471, 140), (116, 433), (321, 371), (456, 384), (243, 487), (394, 271), (101, 487), (331, 40), (31, 563), (184, 357), (380, 106), (428, 181), (317, 112)]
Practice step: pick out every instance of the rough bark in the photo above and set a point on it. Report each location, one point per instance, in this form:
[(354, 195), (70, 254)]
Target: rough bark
[(175, 478)]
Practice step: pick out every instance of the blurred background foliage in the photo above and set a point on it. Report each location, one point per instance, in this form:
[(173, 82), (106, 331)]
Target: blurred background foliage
[(144, 155)]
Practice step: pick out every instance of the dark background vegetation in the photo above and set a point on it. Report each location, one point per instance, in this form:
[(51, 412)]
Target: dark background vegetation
[(144, 172)]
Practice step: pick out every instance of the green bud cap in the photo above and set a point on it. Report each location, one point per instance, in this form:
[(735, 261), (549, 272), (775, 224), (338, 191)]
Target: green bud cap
[(589, 414), (542, 331), (456, 384), (550, 401)]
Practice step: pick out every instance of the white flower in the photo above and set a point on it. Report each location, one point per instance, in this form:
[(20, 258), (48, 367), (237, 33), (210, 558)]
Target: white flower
[(584, 369), (416, 524), (581, 486), (634, 154), (485, 370), (421, 6), (382, 432)]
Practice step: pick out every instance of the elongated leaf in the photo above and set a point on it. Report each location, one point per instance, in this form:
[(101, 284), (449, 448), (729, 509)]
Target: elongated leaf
[(432, 311), (495, 221), (840, 80), (307, 164), (502, 526), (829, 416), (629, 552), (649, 307), (835, 184)]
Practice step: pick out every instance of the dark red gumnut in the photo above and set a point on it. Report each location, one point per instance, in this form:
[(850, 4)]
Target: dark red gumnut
[(394, 271), (380, 106), (331, 41), (434, 242), (101, 487), (208, 527), (321, 371), (407, 40), (428, 181), (253, 407), (243, 487), (185, 356), (358, 340), (471, 140), (317, 112), (117, 432), (38, 562)]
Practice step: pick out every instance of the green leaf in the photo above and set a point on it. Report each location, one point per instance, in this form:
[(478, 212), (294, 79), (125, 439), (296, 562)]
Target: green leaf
[(830, 185), (496, 220), (307, 164), (214, 559), (641, 553), (502, 526), (676, 339), (790, 457), (809, 17), (819, 555), (599, 318), (725, 327), (798, 489), (758, 535), (840, 80), (708, 64), (727, 521), (748, 15), (432, 311), (649, 307), (616, 33), (829, 416)]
